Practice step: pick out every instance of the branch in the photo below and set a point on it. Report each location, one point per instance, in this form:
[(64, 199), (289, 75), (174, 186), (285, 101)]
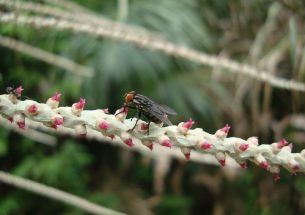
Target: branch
[(158, 44), (45, 56), (117, 127), (53, 193)]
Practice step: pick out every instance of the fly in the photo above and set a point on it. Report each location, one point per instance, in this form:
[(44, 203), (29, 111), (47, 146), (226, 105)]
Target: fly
[(153, 111)]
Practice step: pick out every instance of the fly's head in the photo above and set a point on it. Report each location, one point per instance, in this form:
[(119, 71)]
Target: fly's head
[(129, 97)]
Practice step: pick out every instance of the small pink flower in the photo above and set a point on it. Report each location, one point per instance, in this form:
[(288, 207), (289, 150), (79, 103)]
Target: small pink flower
[(129, 142), (187, 153), (18, 91), (243, 165), (167, 143), (32, 109), (53, 102), (187, 156), (221, 157), (21, 124), (282, 143), (151, 147), (276, 176), (293, 165), (243, 147), (78, 107), (57, 120), (81, 104), (144, 126), (226, 129), (121, 113), (222, 162), (103, 125), (188, 125), (264, 165), (56, 97), (11, 119), (20, 120), (223, 132), (206, 145), (112, 136), (149, 144)]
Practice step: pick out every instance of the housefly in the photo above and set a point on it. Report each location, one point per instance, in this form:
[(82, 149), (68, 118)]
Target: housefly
[(153, 111)]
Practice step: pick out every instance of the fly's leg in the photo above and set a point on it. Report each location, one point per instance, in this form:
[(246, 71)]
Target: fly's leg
[(123, 109), (134, 116), (139, 116)]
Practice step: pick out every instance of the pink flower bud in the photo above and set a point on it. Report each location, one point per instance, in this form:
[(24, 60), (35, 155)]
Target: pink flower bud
[(19, 90), (282, 143), (56, 97), (276, 176), (53, 102), (293, 165), (275, 170), (11, 119), (112, 136), (187, 153), (264, 165), (187, 156), (121, 113), (20, 120), (103, 125), (127, 138), (149, 144), (261, 161), (243, 165), (243, 147), (184, 127), (129, 142), (223, 132), (205, 145), (164, 141), (142, 127), (57, 120), (21, 124), (188, 125), (32, 109), (167, 143), (221, 157), (78, 107), (80, 104)]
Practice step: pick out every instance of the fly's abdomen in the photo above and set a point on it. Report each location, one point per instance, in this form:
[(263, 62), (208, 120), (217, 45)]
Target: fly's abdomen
[(151, 117)]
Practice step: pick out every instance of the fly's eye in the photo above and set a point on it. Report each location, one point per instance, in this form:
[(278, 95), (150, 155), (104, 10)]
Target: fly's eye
[(129, 97)]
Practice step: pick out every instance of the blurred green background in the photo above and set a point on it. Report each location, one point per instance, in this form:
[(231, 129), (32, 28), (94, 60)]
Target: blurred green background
[(265, 34)]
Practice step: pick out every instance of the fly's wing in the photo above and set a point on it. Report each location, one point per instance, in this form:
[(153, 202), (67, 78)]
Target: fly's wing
[(167, 110), (159, 112), (155, 109)]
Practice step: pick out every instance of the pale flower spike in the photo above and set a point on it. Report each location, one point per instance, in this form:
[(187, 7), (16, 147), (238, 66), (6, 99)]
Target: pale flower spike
[(116, 127)]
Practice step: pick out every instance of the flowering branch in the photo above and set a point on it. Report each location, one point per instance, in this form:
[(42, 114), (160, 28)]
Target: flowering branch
[(45, 56), (153, 43), (117, 127)]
